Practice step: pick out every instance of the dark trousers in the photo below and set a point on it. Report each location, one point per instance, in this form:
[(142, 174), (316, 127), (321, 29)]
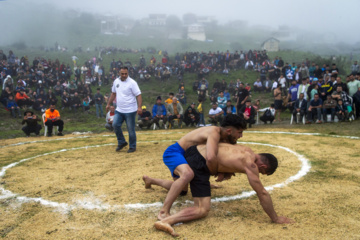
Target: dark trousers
[(50, 125), (302, 113), (327, 111), (172, 117), (32, 129)]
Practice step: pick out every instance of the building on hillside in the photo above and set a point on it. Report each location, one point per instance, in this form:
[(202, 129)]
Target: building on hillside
[(157, 20), (196, 32), (270, 45)]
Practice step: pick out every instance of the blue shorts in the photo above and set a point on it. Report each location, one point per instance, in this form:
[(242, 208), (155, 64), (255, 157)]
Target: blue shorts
[(173, 157)]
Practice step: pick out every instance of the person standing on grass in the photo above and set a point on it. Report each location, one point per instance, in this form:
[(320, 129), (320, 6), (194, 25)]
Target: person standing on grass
[(128, 105), (278, 102), (99, 99)]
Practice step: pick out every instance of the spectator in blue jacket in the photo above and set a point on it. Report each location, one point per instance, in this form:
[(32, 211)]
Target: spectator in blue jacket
[(13, 107), (229, 108), (159, 112)]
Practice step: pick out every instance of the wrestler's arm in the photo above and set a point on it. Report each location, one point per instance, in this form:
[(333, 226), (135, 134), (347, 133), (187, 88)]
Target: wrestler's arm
[(212, 150), (252, 173)]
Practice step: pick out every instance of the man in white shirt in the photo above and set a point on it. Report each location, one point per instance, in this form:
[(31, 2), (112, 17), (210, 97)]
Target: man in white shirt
[(216, 114), (128, 104)]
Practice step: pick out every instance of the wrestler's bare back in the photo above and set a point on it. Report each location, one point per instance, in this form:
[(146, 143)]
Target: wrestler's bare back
[(198, 136), (232, 158)]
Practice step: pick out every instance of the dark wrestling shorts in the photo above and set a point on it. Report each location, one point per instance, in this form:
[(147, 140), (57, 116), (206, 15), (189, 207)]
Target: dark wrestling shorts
[(278, 104), (200, 185)]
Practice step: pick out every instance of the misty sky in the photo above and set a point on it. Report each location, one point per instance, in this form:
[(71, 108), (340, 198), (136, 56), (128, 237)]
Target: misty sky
[(339, 17)]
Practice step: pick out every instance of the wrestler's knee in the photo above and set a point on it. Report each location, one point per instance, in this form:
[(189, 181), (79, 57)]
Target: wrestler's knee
[(203, 212)]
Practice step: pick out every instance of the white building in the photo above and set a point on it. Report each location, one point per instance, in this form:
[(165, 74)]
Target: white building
[(196, 32)]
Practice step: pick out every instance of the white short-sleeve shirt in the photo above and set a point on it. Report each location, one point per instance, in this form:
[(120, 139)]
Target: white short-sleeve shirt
[(126, 93), (216, 111)]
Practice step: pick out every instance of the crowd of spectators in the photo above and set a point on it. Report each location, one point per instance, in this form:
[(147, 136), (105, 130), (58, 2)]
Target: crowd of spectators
[(306, 89)]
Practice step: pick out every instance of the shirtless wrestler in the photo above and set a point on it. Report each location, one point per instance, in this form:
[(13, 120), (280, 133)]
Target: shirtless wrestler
[(230, 159), (230, 131)]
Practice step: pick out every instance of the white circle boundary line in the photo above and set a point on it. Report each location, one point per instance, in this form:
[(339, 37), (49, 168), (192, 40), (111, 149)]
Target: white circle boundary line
[(88, 205)]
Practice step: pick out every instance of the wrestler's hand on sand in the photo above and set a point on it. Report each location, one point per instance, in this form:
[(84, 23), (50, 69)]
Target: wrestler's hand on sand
[(283, 220), (220, 177)]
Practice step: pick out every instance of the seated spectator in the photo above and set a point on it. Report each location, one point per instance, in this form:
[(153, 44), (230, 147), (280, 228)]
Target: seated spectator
[(175, 111), (216, 114), (346, 99), (227, 95), (299, 106), (221, 100), (52, 118), (195, 85), (191, 116), (225, 71), (13, 107), (159, 112), (267, 85), (213, 95), (32, 125), (85, 104), (110, 118), (269, 114), (76, 102), (58, 89), (65, 100), (170, 99), (5, 96), (248, 112), (202, 96), (39, 105), (341, 111), (22, 99), (229, 108), (258, 87), (329, 106), (144, 119), (181, 96), (314, 109)]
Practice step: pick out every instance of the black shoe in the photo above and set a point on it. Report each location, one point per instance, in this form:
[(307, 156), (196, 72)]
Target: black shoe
[(49, 135), (60, 134), (131, 150), (119, 147)]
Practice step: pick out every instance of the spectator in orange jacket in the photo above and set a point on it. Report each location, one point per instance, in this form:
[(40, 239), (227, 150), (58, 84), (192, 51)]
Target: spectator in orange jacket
[(52, 118), (22, 99)]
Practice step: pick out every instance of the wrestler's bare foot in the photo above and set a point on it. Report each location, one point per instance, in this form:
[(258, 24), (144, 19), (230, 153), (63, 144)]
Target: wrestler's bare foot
[(162, 215), (213, 186), (166, 228), (146, 179)]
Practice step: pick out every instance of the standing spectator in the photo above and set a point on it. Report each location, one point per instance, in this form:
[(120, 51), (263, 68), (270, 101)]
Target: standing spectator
[(159, 112), (13, 107), (201, 113), (293, 94), (175, 111), (216, 114), (243, 95), (52, 118), (356, 99), (32, 125), (329, 106), (99, 99), (339, 82), (268, 85), (110, 118), (144, 119), (353, 85), (278, 102), (170, 99), (248, 112), (5, 96), (354, 68), (304, 71), (334, 71), (128, 102), (221, 100), (300, 106), (315, 109)]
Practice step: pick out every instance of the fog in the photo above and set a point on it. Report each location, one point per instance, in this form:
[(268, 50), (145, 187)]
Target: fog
[(39, 21)]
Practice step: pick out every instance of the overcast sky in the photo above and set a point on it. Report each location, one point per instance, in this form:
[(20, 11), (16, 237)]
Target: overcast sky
[(339, 17)]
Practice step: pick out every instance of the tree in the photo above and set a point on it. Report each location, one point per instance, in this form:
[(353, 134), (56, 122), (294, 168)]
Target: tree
[(189, 18), (173, 22)]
